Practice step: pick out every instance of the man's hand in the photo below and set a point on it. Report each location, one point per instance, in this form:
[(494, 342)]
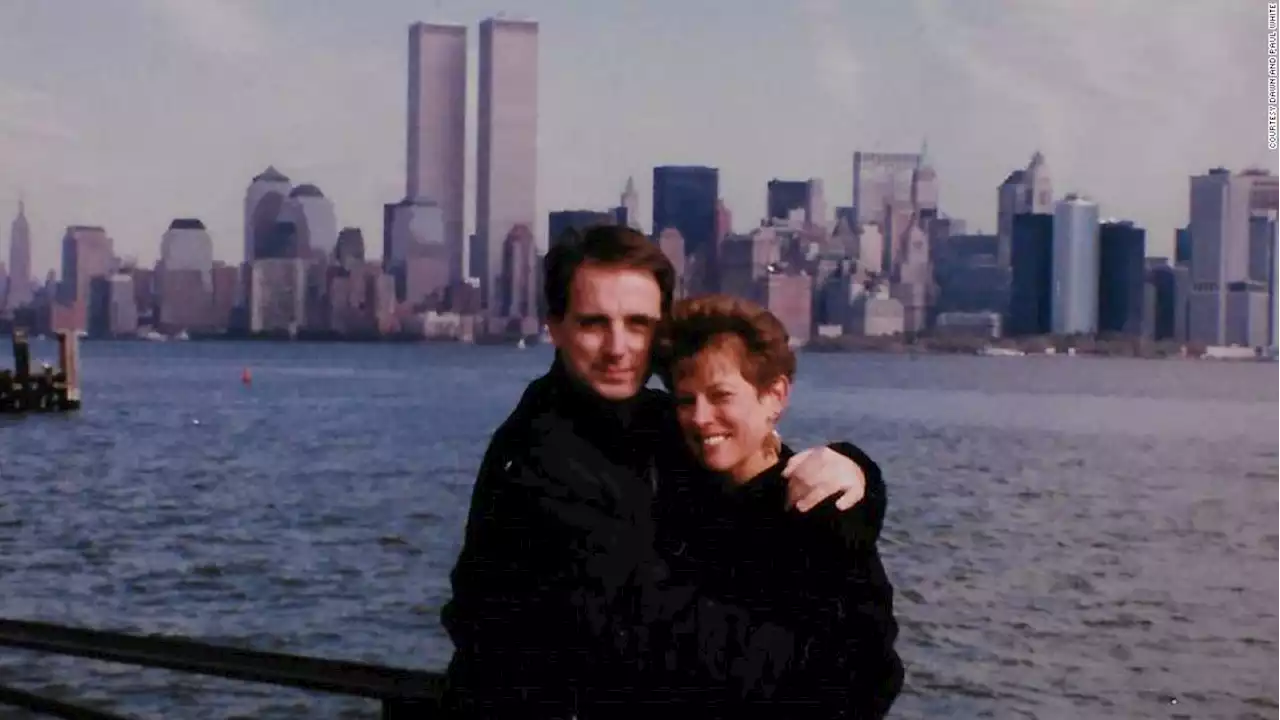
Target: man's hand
[(819, 473)]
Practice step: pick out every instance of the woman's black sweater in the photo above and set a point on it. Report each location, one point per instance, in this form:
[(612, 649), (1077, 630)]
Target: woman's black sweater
[(818, 573)]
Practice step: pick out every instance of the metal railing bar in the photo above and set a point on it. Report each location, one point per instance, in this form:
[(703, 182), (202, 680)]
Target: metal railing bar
[(332, 676), (14, 697)]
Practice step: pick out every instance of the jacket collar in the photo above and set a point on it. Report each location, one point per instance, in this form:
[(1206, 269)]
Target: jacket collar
[(609, 424)]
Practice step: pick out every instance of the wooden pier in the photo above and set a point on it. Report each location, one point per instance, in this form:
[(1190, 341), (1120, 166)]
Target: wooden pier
[(46, 390)]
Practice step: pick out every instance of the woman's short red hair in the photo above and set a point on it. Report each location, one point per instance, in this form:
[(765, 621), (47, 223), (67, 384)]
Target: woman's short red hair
[(755, 337)]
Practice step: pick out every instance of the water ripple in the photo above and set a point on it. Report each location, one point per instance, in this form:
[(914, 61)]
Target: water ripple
[(1069, 537)]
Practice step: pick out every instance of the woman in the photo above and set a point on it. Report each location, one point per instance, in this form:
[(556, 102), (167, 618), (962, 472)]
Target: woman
[(730, 367)]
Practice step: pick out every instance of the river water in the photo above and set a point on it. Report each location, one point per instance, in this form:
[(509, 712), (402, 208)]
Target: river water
[(1069, 537)]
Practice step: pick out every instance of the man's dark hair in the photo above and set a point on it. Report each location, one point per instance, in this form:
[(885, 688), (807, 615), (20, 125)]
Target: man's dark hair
[(611, 246)]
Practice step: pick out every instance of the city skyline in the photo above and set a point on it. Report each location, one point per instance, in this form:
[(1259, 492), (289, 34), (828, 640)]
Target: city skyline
[(328, 106)]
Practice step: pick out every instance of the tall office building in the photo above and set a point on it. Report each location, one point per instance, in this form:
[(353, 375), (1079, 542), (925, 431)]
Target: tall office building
[(1182, 246), (1031, 282), (924, 186), (784, 196), (1029, 190), (19, 291), (1262, 273), (87, 255), (1075, 267), (884, 194), (435, 168), (561, 221), (186, 245), (881, 180), (507, 152), (1169, 310), (684, 198), (1122, 271), (1229, 297), (629, 209), (262, 202), (313, 218), (414, 228)]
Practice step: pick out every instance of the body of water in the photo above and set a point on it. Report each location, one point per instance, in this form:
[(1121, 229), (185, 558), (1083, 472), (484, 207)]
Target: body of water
[(1069, 537)]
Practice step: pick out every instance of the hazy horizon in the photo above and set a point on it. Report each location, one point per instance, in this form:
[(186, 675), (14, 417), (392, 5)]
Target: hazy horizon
[(141, 111)]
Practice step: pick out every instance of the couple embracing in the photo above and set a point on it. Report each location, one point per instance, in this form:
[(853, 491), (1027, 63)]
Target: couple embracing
[(632, 552)]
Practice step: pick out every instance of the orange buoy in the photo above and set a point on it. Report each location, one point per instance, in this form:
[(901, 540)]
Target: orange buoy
[(246, 377)]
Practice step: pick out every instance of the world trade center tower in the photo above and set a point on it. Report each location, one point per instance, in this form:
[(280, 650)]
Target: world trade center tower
[(436, 163), (507, 140)]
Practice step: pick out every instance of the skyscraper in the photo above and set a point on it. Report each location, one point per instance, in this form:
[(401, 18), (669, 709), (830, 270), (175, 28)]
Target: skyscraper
[(1228, 302), (1121, 274), (314, 218), (435, 168), (262, 202), (507, 140), (19, 291), (1025, 191), (880, 180), (1075, 267), (783, 196), (924, 186), (87, 255), (630, 205), (1182, 246), (561, 221), (519, 288), (684, 198), (1031, 284), (186, 245)]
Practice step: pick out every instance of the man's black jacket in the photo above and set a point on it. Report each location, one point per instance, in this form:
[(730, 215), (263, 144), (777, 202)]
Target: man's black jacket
[(561, 605)]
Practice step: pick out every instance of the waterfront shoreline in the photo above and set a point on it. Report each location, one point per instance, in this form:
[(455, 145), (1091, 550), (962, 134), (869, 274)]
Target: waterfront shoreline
[(1038, 346)]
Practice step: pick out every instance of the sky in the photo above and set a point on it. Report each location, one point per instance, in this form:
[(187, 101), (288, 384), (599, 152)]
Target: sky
[(128, 113)]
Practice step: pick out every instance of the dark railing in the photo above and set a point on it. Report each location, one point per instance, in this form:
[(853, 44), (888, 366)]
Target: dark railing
[(403, 693)]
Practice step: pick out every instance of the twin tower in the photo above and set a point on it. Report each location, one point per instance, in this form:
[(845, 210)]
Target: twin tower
[(506, 133)]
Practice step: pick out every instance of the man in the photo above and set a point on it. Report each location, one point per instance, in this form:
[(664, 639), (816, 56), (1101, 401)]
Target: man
[(561, 606)]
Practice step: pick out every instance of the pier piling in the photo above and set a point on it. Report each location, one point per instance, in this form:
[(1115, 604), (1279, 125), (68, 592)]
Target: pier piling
[(45, 391), (21, 355), (69, 364)]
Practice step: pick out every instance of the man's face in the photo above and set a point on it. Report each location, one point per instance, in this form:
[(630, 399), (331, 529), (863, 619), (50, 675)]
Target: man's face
[(607, 330)]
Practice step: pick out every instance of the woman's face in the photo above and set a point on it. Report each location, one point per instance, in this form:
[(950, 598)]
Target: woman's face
[(724, 418)]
